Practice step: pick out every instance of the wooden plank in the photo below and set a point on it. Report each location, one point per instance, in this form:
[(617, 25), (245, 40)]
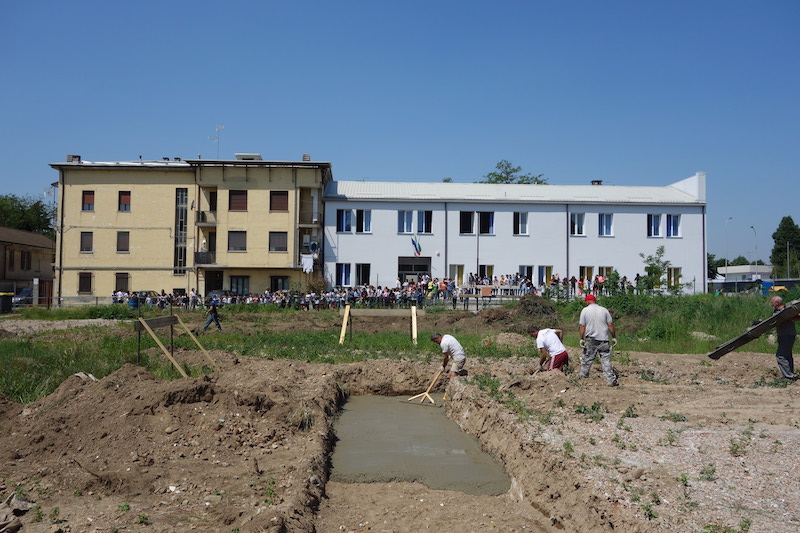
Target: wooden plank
[(197, 342), (344, 323), (414, 324), (153, 323), (163, 348), (379, 312), (790, 312)]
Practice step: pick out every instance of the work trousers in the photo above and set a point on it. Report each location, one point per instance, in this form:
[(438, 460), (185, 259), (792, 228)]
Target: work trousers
[(592, 349), (784, 355)]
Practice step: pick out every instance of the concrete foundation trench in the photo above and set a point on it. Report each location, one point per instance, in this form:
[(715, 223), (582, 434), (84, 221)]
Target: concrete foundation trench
[(392, 454)]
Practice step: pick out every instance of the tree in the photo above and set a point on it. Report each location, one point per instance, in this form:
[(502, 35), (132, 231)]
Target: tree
[(26, 213), (508, 173), (739, 261), (787, 240), (656, 267), (447, 180), (713, 265)]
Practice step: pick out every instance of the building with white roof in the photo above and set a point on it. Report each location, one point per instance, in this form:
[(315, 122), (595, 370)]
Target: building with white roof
[(377, 231)]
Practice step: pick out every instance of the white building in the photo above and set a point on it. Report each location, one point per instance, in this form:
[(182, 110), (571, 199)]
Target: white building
[(537, 230)]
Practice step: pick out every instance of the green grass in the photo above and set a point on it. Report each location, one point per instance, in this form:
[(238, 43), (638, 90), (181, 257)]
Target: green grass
[(34, 366)]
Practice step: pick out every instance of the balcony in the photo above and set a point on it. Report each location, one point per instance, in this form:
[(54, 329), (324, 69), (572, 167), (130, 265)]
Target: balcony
[(205, 258), (206, 218)]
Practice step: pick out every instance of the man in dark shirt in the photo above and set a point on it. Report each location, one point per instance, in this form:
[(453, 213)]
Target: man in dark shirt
[(786, 333)]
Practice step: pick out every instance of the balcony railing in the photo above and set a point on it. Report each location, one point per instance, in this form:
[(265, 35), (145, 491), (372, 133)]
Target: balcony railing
[(206, 218), (205, 258)]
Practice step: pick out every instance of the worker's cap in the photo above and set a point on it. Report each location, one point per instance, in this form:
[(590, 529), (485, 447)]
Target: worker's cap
[(435, 336), (591, 298)]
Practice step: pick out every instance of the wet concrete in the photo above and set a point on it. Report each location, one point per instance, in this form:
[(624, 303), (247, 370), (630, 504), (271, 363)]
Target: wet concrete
[(383, 439)]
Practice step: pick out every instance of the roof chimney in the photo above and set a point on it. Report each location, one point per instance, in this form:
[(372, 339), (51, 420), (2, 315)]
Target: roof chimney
[(306, 157), (597, 182), (72, 158)]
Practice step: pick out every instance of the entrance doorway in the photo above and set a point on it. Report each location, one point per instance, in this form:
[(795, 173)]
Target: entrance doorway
[(411, 268), (213, 280)]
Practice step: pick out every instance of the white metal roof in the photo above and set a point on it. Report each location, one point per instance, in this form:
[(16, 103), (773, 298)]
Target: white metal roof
[(485, 192)]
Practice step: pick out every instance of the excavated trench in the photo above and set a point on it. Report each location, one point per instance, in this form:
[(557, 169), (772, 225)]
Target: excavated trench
[(384, 439)]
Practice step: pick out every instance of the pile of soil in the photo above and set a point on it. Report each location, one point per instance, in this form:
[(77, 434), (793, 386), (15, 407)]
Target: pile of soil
[(246, 449)]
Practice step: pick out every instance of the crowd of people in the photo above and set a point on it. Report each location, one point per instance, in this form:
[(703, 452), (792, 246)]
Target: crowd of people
[(402, 293)]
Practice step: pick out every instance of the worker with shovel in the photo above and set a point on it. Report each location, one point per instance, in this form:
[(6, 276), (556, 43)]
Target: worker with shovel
[(451, 349)]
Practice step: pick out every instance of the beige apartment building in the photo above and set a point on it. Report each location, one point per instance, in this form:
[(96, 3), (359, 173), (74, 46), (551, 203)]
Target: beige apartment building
[(246, 225)]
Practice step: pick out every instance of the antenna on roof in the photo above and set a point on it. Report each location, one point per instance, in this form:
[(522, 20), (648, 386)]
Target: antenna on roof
[(216, 137)]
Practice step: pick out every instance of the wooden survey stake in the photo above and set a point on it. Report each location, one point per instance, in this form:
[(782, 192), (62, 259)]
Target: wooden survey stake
[(427, 393)]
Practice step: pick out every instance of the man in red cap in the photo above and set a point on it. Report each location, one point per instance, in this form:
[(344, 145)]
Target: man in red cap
[(597, 335)]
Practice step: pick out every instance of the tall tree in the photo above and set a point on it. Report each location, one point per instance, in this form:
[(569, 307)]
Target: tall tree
[(787, 240), (713, 265), (507, 173), (26, 213)]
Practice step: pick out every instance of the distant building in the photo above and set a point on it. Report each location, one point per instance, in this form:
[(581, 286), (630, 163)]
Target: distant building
[(27, 262), (376, 231), (243, 225), (744, 273)]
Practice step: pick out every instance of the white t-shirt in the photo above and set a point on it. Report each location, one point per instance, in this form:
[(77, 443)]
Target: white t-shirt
[(451, 346), (548, 339)]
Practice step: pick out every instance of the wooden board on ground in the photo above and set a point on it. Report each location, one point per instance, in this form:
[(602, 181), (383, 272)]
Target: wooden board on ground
[(790, 312)]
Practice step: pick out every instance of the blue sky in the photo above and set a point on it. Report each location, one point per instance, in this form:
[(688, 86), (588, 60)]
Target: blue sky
[(630, 92)]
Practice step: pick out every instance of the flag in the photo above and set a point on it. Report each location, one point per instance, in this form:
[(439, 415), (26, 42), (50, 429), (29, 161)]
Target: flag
[(416, 245)]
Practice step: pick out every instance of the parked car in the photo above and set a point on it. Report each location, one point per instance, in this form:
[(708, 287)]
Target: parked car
[(25, 297)]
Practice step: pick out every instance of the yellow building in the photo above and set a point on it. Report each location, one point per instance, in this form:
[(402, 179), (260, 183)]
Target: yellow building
[(243, 225)]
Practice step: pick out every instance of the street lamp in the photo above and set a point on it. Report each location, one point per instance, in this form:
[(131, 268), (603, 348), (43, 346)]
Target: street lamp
[(755, 236), (726, 247)]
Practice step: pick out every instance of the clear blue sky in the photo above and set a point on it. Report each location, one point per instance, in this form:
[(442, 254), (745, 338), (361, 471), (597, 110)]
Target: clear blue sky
[(630, 92)]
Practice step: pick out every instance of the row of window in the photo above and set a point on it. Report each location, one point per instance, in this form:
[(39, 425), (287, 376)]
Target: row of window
[(237, 241), (25, 260), (485, 219), (237, 201), (344, 271), (122, 282)]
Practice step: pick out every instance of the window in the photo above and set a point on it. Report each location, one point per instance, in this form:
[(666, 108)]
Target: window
[(673, 225), (363, 221), (673, 276), (545, 273), (125, 201), (465, 222), (604, 224), (181, 219), (123, 241), (25, 260), (237, 241), (424, 221), (88, 201), (87, 241), (521, 223), (457, 274), (344, 220), (11, 261), (278, 241), (404, 224), (240, 285), (279, 200), (486, 222), (485, 271), (343, 274), (576, 224), (121, 281), (278, 283), (212, 201), (526, 271), (586, 272), (654, 225), (605, 271), (362, 273), (237, 201), (84, 283)]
